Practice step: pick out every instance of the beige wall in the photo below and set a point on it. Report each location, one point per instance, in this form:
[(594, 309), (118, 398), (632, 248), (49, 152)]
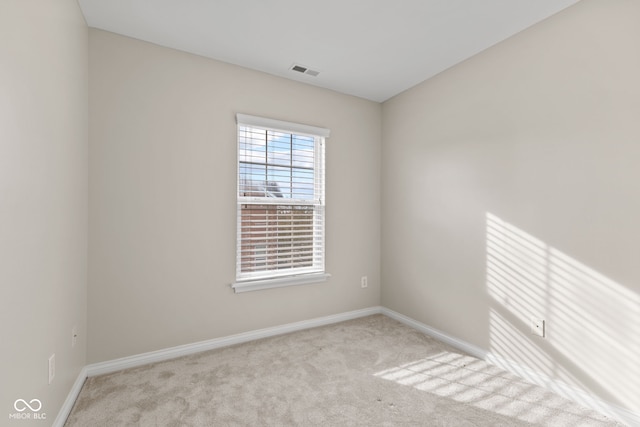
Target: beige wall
[(43, 200), (511, 189), (162, 198)]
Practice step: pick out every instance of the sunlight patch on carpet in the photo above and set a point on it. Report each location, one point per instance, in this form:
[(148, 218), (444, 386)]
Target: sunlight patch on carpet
[(468, 380)]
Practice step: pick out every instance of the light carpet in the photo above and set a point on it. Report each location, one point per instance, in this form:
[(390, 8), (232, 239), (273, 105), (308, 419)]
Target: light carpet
[(371, 371)]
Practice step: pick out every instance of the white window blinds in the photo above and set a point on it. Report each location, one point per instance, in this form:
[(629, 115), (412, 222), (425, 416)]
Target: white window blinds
[(280, 199)]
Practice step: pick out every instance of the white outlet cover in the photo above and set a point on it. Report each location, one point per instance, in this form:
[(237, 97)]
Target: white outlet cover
[(537, 327), (52, 367)]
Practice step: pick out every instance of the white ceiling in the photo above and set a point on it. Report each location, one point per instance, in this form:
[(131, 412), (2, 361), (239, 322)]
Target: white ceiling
[(373, 49)]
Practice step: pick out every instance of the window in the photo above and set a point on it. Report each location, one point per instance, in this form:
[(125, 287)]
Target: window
[(280, 204)]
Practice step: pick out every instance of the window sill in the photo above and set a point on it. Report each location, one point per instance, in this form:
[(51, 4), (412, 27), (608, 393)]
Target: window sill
[(280, 282)]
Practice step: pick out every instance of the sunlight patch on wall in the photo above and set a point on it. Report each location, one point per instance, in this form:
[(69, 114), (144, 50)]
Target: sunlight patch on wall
[(592, 323)]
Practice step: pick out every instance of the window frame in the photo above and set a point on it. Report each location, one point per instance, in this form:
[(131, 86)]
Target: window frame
[(266, 279)]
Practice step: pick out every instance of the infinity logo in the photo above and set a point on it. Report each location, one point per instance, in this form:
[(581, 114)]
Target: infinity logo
[(37, 405)]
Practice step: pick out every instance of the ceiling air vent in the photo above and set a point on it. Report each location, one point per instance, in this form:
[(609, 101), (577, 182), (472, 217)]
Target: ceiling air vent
[(304, 70)]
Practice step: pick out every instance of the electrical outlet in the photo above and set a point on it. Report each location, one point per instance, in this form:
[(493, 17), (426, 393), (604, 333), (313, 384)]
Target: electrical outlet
[(74, 336), (52, 367), (537, 327), (363, 282)]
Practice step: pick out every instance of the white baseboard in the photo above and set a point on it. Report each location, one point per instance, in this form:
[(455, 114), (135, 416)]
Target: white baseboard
[(559, 387), (64, 412), (187, 349)]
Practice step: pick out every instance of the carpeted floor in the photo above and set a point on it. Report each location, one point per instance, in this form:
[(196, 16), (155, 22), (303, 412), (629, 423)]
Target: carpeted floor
[(371, 371)]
